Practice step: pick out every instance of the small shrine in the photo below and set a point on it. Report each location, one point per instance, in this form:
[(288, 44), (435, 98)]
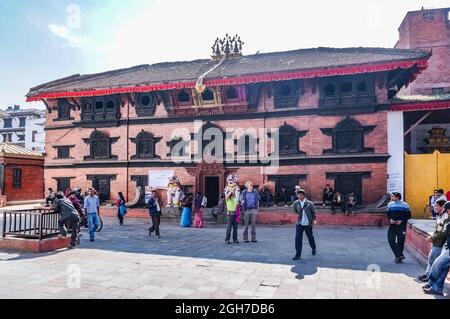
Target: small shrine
[(229, 46), (436, 141)]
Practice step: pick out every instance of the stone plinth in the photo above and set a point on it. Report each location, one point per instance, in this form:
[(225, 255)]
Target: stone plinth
[(417, 233), (33, 245), (267, 216)]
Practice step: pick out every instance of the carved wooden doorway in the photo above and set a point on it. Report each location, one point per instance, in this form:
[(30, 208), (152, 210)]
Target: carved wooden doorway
[(210, 180)]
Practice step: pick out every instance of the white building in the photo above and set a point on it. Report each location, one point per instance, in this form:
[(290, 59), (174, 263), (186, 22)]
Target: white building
[(23, 127)]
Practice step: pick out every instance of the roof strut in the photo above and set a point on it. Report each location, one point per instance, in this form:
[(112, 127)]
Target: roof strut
[(417, 123)]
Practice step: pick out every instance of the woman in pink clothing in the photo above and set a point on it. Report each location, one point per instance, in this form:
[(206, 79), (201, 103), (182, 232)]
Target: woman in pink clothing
[(199, 203)]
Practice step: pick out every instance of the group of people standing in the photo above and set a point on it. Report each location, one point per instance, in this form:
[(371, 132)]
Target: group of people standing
[(72, 207), (193, 204), (241, 205)]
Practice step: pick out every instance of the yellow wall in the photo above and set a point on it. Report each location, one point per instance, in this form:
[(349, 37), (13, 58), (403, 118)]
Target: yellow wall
[(423, 174)]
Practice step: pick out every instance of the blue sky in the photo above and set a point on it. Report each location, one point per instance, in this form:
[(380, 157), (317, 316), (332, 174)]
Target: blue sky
[(43, 40)]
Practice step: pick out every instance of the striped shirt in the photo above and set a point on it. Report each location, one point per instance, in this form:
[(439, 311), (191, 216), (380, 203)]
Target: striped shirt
[(399, 210)]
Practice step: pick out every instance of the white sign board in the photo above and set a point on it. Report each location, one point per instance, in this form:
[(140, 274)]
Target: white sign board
[(159, 179), (395, 165)]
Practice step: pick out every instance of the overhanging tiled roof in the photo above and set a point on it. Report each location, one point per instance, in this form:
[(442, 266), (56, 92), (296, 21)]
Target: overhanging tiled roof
[(11, 150), (421, 102), (305, 63)]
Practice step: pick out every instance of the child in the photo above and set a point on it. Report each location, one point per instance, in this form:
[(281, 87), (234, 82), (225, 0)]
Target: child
[(232, 203)]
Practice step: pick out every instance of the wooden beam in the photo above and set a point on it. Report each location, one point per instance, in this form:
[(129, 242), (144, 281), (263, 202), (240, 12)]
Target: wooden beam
[(49, 109), (417, 123), (75, 103)]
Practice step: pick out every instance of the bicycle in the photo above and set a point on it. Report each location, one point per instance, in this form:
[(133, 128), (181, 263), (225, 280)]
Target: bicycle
[(84, 222)]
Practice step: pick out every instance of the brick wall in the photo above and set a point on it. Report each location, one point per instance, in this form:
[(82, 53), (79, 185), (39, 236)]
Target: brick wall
[(32, 180), (418, 32), (313, 144)]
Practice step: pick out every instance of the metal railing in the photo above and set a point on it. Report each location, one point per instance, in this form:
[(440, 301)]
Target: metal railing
[(30, 224)]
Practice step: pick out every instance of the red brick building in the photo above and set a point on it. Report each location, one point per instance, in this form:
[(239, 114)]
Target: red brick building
[(21, 173), (328, 105), (422, 107), (428, 29)]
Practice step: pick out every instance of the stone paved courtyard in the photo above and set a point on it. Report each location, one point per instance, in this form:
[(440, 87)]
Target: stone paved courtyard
[(124, 262)]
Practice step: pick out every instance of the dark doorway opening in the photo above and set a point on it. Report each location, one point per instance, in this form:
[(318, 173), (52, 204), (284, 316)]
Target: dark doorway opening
[(142, 182), (102, 184), (350, 182), (212, 190), (287, 181)]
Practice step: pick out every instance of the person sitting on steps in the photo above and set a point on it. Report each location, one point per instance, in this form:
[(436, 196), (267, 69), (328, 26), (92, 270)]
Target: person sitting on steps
[(339, 201), (350, 204)]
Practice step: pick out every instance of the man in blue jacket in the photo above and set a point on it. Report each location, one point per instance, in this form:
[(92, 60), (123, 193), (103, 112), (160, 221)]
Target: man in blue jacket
[(398, 213)]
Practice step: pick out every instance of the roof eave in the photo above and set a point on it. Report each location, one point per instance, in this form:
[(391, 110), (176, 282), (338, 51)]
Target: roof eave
[(422, 63)]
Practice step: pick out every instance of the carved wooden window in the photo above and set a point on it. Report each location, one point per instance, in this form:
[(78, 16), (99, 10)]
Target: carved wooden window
[(103, 108), (145, 145), (146, 104), (63, 110), (100, 146), (253, 95), (348, 137), (184, 97), (211, 135), (212, 138), (329, 90), (346, 89), (289, 140), (99, 107), (177, 147), (286, 94), (232, 93), (17, 178), (110, 106), (362, 87), (208, 96), (247, 145)]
